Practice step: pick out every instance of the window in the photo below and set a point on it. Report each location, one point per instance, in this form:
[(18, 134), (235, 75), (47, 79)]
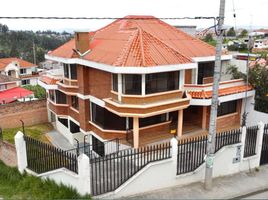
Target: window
[(98, 146), (66, 70), (115, 82), (73, 72), (70, 71), (152, 120), (63, 121), (205, 70), (131, 84), (22, 71), (60, 97), (162, 82), (51, 95), (3, 87), (74, 128), (227, 108), (106, 119), (75, 103), (25, 82)]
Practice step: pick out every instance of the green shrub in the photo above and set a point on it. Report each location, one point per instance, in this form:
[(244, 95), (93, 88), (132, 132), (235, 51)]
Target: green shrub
[(38, 91)]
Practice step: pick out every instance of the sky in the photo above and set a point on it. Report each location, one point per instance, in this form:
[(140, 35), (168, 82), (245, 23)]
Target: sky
[(248, 12)]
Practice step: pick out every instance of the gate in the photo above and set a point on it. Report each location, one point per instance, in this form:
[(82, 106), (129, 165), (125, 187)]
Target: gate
[(264, 151)]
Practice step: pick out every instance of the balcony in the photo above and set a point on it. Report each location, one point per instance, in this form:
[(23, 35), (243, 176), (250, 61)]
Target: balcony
[(68, 87), (60, 109), (147, 105)]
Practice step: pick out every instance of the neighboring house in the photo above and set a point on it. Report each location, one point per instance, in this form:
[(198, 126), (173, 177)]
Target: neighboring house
[(10, 90), (240, 60), (21, 69), (138, 79), (191, 30)]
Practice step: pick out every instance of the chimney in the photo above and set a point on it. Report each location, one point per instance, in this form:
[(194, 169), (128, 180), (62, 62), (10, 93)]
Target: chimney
[(82, 41)]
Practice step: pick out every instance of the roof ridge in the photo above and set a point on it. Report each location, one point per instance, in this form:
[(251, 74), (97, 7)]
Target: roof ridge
[(141, 45), (174, 50)]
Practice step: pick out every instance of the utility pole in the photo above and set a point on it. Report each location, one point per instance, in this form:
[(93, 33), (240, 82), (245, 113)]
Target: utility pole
[(34, 55), (214, 101)]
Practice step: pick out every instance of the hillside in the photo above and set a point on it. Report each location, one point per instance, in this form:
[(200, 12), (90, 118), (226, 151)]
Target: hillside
[(20, 43)]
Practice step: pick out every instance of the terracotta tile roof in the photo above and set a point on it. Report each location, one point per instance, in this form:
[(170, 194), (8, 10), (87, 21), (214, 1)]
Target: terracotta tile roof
[(7, 79), (222, 92), (48, 80), (148, 42), (23, 63)]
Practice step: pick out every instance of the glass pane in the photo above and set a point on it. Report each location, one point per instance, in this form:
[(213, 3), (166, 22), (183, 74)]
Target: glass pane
[(115, 82), (66, 70), (73, 72), (131, 84)]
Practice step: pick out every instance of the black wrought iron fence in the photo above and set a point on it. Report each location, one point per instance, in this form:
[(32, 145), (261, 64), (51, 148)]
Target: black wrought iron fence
[(111, 171), (264, 150), (250, 142), (42, 157), (191, 152)]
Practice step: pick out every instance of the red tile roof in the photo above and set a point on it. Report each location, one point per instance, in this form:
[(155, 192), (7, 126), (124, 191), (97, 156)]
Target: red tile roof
[(222, 92), (139, 42), (48, 80), (23, 63), (13, 94)]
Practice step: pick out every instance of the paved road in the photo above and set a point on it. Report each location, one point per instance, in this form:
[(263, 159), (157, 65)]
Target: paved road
[(228, 187), (261, 195)]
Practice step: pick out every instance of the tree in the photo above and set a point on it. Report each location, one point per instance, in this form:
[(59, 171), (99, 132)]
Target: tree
[(244, 33), (231, 32)]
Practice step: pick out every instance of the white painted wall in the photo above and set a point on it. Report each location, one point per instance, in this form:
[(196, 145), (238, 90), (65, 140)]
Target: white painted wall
[(253, 116)]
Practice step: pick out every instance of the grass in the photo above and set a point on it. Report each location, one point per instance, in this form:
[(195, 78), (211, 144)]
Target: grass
[(14, 185), (37, 131)]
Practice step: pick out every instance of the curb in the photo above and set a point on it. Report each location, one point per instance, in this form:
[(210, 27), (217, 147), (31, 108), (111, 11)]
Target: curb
[(254, 192)]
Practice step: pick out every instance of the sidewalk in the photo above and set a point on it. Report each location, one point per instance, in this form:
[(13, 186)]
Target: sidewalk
[(235, 186), (58, 140)]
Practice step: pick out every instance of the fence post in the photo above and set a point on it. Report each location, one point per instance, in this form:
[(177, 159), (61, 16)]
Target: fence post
[(20, 145), (243, 141), (174, 153), (84, 186), (259, 140)]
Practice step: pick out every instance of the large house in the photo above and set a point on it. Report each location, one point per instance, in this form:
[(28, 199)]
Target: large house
[(139, 78), (21, 69)]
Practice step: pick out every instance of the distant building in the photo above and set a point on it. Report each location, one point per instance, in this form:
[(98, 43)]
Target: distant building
[(10, 90), (49, 64), (191, 30), (23, 70)]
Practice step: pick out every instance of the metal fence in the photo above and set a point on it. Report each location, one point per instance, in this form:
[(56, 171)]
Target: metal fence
[(250, 142), (264, 150), (111, 171), (191, 152), (42, 157)]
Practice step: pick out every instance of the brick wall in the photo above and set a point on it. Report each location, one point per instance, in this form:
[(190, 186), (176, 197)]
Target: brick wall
[(34, 112), (8, 154)]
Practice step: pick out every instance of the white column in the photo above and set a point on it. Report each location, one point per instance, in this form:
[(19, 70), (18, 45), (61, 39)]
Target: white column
[(180, 123), (21, 151), (174, 154), (84, 175), (182, 72), (259, 140), (143, 85), (119, 81), (243, 140)]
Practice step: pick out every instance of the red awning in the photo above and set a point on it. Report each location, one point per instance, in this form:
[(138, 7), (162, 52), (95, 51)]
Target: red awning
[(13, 94)]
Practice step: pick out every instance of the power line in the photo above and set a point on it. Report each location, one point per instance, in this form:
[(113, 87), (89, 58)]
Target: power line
[(111, 18)]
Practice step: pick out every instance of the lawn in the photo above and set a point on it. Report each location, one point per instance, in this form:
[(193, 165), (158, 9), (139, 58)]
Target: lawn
[(37, 131), (14, 185)]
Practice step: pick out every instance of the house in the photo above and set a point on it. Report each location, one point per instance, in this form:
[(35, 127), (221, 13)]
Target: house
[(140, 79), (21, 69), (10, 90)]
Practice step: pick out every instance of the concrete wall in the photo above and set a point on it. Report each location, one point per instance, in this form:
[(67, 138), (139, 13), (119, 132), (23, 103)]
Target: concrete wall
[(32, 112)]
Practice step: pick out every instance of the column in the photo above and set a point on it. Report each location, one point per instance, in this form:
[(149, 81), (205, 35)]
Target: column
[(143, 85), (180, 123), (135, 132), (119, 86), (20, 145), (204, 117)]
